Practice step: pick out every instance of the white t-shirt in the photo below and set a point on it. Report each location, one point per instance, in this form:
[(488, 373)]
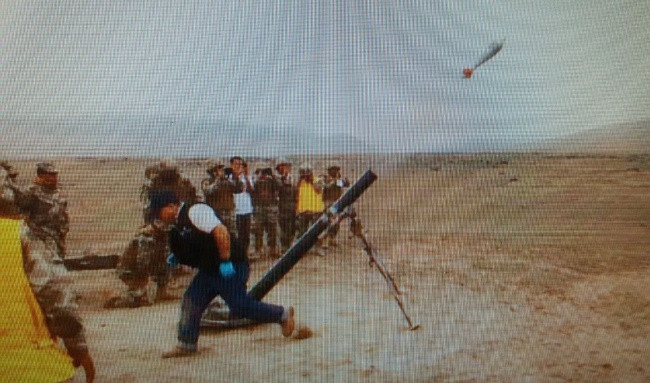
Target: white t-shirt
[(243, 201), (203, 217)]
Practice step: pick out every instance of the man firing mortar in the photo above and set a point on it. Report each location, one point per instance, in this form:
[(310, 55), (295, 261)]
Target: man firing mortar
[(199, 239)]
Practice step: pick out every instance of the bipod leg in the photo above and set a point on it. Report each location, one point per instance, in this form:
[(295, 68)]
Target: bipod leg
[(357, 230)]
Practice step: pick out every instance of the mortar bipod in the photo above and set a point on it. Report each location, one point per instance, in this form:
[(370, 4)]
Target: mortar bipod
[(356, 228)]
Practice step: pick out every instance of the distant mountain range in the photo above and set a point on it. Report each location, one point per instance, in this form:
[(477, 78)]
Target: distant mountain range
[(192, 139), (627, 138), (165, 137)]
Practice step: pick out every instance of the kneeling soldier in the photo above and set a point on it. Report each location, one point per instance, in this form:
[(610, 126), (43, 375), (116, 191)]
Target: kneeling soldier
[(144, 259)]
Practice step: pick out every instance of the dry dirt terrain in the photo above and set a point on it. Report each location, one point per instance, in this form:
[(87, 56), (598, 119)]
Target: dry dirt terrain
[(527, 267)]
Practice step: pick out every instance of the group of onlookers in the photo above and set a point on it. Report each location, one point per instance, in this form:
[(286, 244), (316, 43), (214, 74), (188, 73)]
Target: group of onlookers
[(266, 201)]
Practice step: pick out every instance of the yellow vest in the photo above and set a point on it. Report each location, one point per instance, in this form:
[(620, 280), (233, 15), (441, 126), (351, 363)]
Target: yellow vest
[(308, 199), (27, 352)]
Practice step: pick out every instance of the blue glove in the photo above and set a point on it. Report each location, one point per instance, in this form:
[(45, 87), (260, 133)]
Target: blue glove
[(172, 261), (226, 269)]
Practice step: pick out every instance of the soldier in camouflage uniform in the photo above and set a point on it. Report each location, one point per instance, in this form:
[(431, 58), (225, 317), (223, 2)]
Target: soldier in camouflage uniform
[(43, 235), (144, 260), (287, 201), (219, 191), (45, 209), (332, 191), (166, 176), (265, 212)]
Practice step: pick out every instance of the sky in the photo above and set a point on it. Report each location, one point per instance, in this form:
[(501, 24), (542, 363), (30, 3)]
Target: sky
[(203, 78)]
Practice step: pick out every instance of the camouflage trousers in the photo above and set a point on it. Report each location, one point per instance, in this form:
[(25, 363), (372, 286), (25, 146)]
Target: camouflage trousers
[(139, 291), (52, 287), (227, 217), (304, 222), (148, 266), (266, 221), (287, 221)]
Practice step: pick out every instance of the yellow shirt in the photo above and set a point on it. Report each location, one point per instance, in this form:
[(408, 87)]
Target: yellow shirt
[(309, 200), (27, 352)]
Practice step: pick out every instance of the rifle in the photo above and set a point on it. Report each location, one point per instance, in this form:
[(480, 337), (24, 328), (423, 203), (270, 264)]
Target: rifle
[(92, 262)]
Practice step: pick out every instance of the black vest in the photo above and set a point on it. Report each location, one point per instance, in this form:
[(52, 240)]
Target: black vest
[(196, 248)]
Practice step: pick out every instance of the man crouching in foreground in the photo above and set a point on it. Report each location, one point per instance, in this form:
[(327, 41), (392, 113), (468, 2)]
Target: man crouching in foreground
[(198, 239)]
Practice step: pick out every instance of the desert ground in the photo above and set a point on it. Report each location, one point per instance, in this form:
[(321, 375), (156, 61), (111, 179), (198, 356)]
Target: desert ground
[(519, 267)]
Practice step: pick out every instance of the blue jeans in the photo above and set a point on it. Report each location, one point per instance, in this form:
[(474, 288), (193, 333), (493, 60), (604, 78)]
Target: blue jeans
[(205, 286)]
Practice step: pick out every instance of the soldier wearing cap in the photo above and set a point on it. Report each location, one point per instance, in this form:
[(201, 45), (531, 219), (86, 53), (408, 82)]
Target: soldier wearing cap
[(287, 203), (44, 208), (310, 202), (335, 184), (166, 176), (43, 235), (219, 191)]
